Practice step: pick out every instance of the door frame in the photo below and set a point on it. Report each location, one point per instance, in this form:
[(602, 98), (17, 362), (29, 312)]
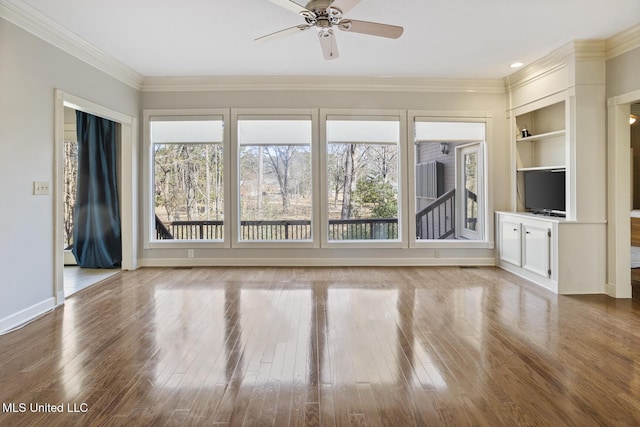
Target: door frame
[(618, 190), (127, 177), (461, 230)]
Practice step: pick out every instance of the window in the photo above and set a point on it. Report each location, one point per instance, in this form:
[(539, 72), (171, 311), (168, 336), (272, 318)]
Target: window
[(449, 179), (188, 178), (275, 178), (362, 158)]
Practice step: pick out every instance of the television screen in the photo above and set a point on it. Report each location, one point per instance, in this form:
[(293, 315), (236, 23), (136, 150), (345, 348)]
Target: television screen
[(544, 191)]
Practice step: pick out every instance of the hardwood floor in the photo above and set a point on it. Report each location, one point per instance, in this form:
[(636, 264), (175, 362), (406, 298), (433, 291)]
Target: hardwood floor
[(324, 346), (635, 283)]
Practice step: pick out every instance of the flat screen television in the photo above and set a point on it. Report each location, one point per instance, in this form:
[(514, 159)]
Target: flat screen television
[(545, 192)]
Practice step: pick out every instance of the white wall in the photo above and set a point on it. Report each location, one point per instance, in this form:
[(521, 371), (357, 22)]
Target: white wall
[(30, 70), (623, 73)]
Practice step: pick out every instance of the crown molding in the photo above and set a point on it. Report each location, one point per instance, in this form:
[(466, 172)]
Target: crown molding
[(324, 83), (38, 24), (623, 42), (571, 53), (589, 50), (539, 68)]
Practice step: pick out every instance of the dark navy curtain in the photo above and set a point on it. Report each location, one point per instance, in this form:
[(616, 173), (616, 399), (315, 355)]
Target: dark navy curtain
[(97, 240)]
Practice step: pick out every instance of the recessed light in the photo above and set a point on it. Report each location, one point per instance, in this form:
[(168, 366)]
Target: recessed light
[(516, 65)]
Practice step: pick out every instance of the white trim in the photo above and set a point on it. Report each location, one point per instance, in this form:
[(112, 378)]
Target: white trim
[(22, 317), (128, 179), (357, 114), (26, 17), (484, 117), (564, 56), (147, 176), (316, 262), (38, 24), (478, 147), (86, 106), (623, 42), (618, 283), (186, 244), (610, 289), (310, 114), (322, 83), (555, 98)]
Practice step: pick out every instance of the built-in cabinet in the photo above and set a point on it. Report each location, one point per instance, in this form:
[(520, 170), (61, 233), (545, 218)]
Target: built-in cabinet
[(552, 252), (526, 244), (556, 112)]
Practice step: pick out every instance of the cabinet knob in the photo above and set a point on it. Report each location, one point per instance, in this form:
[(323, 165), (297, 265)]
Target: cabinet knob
[(528, 232)]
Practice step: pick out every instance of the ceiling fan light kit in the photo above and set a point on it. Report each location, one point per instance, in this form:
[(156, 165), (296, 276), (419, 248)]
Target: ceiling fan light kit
[(324, 15)]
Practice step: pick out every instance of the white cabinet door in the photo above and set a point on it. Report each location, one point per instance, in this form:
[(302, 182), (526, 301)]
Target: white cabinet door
[(535, 256), (510, 242)]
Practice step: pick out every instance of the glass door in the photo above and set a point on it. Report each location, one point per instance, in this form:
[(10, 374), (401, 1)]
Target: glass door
[(470, 196)]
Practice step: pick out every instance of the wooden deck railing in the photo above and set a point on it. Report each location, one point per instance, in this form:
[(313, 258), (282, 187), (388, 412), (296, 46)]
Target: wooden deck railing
[(363, 229), (437, 221), (339, 229)]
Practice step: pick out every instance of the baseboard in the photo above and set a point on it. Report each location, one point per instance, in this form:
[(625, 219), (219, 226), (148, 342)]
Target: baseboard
[(69, 258), (314, 262), (615, 292), (60, 298), (23, 316)]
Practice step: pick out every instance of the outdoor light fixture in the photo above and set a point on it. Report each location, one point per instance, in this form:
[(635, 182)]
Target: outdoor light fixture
[(444, 147)]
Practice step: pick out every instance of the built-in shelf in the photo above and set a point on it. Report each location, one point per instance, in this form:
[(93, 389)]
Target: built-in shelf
[(539, 137), (546, 148), (542, 168)]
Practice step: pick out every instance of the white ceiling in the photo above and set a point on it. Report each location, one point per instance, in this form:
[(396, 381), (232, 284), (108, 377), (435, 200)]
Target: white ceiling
[(442, 38)]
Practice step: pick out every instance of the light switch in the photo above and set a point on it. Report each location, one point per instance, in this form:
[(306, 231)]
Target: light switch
[(40, 188)]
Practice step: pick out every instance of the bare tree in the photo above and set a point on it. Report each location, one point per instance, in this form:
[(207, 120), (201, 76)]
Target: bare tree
[(70, 186), (280, 158), (356, 159), (188, 179)]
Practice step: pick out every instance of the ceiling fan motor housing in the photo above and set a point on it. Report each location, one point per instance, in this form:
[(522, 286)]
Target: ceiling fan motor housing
[(323, 15)]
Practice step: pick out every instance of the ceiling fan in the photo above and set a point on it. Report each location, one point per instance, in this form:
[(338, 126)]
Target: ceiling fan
[(325, 15)]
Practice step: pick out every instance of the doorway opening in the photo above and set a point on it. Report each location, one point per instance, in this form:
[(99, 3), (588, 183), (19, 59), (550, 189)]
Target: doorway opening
[(75, 278), (69, 278), (620, 201), (634, 123)]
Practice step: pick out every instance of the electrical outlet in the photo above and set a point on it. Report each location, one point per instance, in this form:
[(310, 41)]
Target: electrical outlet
[(40, 188), (190, 253), (437, 253)]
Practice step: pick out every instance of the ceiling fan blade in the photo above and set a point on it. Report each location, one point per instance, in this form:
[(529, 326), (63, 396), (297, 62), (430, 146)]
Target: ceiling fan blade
[(294, 7), (282, 33), (328, 44), (344, 5), (371, 28)]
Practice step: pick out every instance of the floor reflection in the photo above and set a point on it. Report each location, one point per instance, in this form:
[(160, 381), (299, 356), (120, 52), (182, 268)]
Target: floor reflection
[(310, 333), (277, 347)]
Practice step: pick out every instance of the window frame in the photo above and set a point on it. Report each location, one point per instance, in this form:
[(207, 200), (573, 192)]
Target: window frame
[(460, 117), (359, 114), (272, 114), (148, 177), (319, 184)]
